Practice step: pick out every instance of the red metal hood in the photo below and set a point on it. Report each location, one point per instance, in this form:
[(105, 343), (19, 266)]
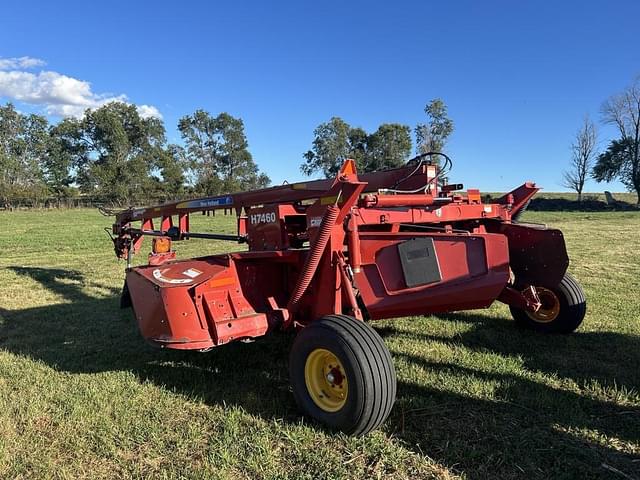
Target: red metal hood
[(183, 273)]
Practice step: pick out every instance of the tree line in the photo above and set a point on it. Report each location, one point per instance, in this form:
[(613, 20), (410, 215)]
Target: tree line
[(116, 156), (621, 158)]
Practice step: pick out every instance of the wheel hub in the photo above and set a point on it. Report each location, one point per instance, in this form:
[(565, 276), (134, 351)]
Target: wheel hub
[(326, 380), (549, 308)]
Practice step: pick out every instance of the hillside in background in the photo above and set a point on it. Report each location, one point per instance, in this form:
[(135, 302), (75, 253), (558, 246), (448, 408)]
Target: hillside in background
[(568, 202)]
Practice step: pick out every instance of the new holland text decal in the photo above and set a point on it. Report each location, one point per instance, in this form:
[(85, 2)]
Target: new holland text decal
[(207, 202)]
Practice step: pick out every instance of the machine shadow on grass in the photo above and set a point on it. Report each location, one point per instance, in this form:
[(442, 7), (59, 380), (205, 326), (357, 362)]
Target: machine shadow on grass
[(533, 427), (606, 357), (87, 334), (536, 429)]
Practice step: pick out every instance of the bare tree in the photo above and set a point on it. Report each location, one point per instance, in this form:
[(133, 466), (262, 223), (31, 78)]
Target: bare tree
[(583, 153), (622, 158), (623, 111)]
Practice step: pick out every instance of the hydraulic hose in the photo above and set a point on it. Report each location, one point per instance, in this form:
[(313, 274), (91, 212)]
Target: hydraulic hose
[(314, 256)]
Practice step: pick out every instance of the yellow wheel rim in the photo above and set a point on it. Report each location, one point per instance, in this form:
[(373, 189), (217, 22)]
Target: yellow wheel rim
[(550, 308), (326, 380)]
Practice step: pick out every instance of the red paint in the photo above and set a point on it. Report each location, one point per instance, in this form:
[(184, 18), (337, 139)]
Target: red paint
[(323, 247)]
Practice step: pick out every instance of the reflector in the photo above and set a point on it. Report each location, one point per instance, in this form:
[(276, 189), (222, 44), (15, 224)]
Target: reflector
[(161, 245)]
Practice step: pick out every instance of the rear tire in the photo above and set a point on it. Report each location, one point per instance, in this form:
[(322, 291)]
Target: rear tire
[(342, 374), (565, 316)]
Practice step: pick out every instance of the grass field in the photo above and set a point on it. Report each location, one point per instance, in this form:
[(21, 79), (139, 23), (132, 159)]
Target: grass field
[(628, 197), (82, 396)]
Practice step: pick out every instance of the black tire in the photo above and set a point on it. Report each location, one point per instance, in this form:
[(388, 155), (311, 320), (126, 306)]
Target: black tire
[(368, 370), (573, 307)]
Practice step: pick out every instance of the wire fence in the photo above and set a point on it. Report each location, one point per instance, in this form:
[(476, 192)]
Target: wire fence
[(26, 203), (542, 202)]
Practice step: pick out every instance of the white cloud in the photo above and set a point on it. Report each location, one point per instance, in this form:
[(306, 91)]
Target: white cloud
[(148, 111), (20, 62), (58, 94)]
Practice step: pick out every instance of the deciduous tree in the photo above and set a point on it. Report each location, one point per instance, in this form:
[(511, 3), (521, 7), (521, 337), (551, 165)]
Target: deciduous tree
[(171, 165), (218, 154), (57, 163), (388, 147), (620, 161), (23, 141), (583, 150), (114, 151), (335, 141), (622, 158), (433, 135)]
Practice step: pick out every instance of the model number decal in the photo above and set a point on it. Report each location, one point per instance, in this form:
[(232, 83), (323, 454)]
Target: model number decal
[(269, 217), (315, 221)]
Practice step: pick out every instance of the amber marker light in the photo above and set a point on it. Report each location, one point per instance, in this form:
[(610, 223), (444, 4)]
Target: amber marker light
[(161, 245)]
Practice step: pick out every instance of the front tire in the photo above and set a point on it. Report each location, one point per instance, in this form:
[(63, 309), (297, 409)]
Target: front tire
[(563, 308), (342, 374)]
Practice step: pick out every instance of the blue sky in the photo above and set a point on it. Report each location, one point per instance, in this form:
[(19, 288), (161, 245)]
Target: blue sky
[(518, 77)]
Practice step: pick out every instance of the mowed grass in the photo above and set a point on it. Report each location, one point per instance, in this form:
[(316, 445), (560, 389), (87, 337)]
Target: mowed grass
[(82, 395)]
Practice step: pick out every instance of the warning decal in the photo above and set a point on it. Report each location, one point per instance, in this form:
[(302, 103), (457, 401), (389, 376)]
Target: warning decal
[(192, 273), (157, 274)]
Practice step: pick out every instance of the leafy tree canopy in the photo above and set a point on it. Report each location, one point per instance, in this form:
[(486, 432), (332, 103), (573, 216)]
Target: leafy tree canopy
[(217, 153), (432, 136), (115, 151), (620, 161), (23, 141), (335, 141)]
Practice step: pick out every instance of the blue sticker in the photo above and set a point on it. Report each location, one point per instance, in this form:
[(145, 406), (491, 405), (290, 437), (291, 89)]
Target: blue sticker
[(208, 202)]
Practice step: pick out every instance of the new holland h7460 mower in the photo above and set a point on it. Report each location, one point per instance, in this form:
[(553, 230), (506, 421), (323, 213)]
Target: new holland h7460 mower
[(325, 257)]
